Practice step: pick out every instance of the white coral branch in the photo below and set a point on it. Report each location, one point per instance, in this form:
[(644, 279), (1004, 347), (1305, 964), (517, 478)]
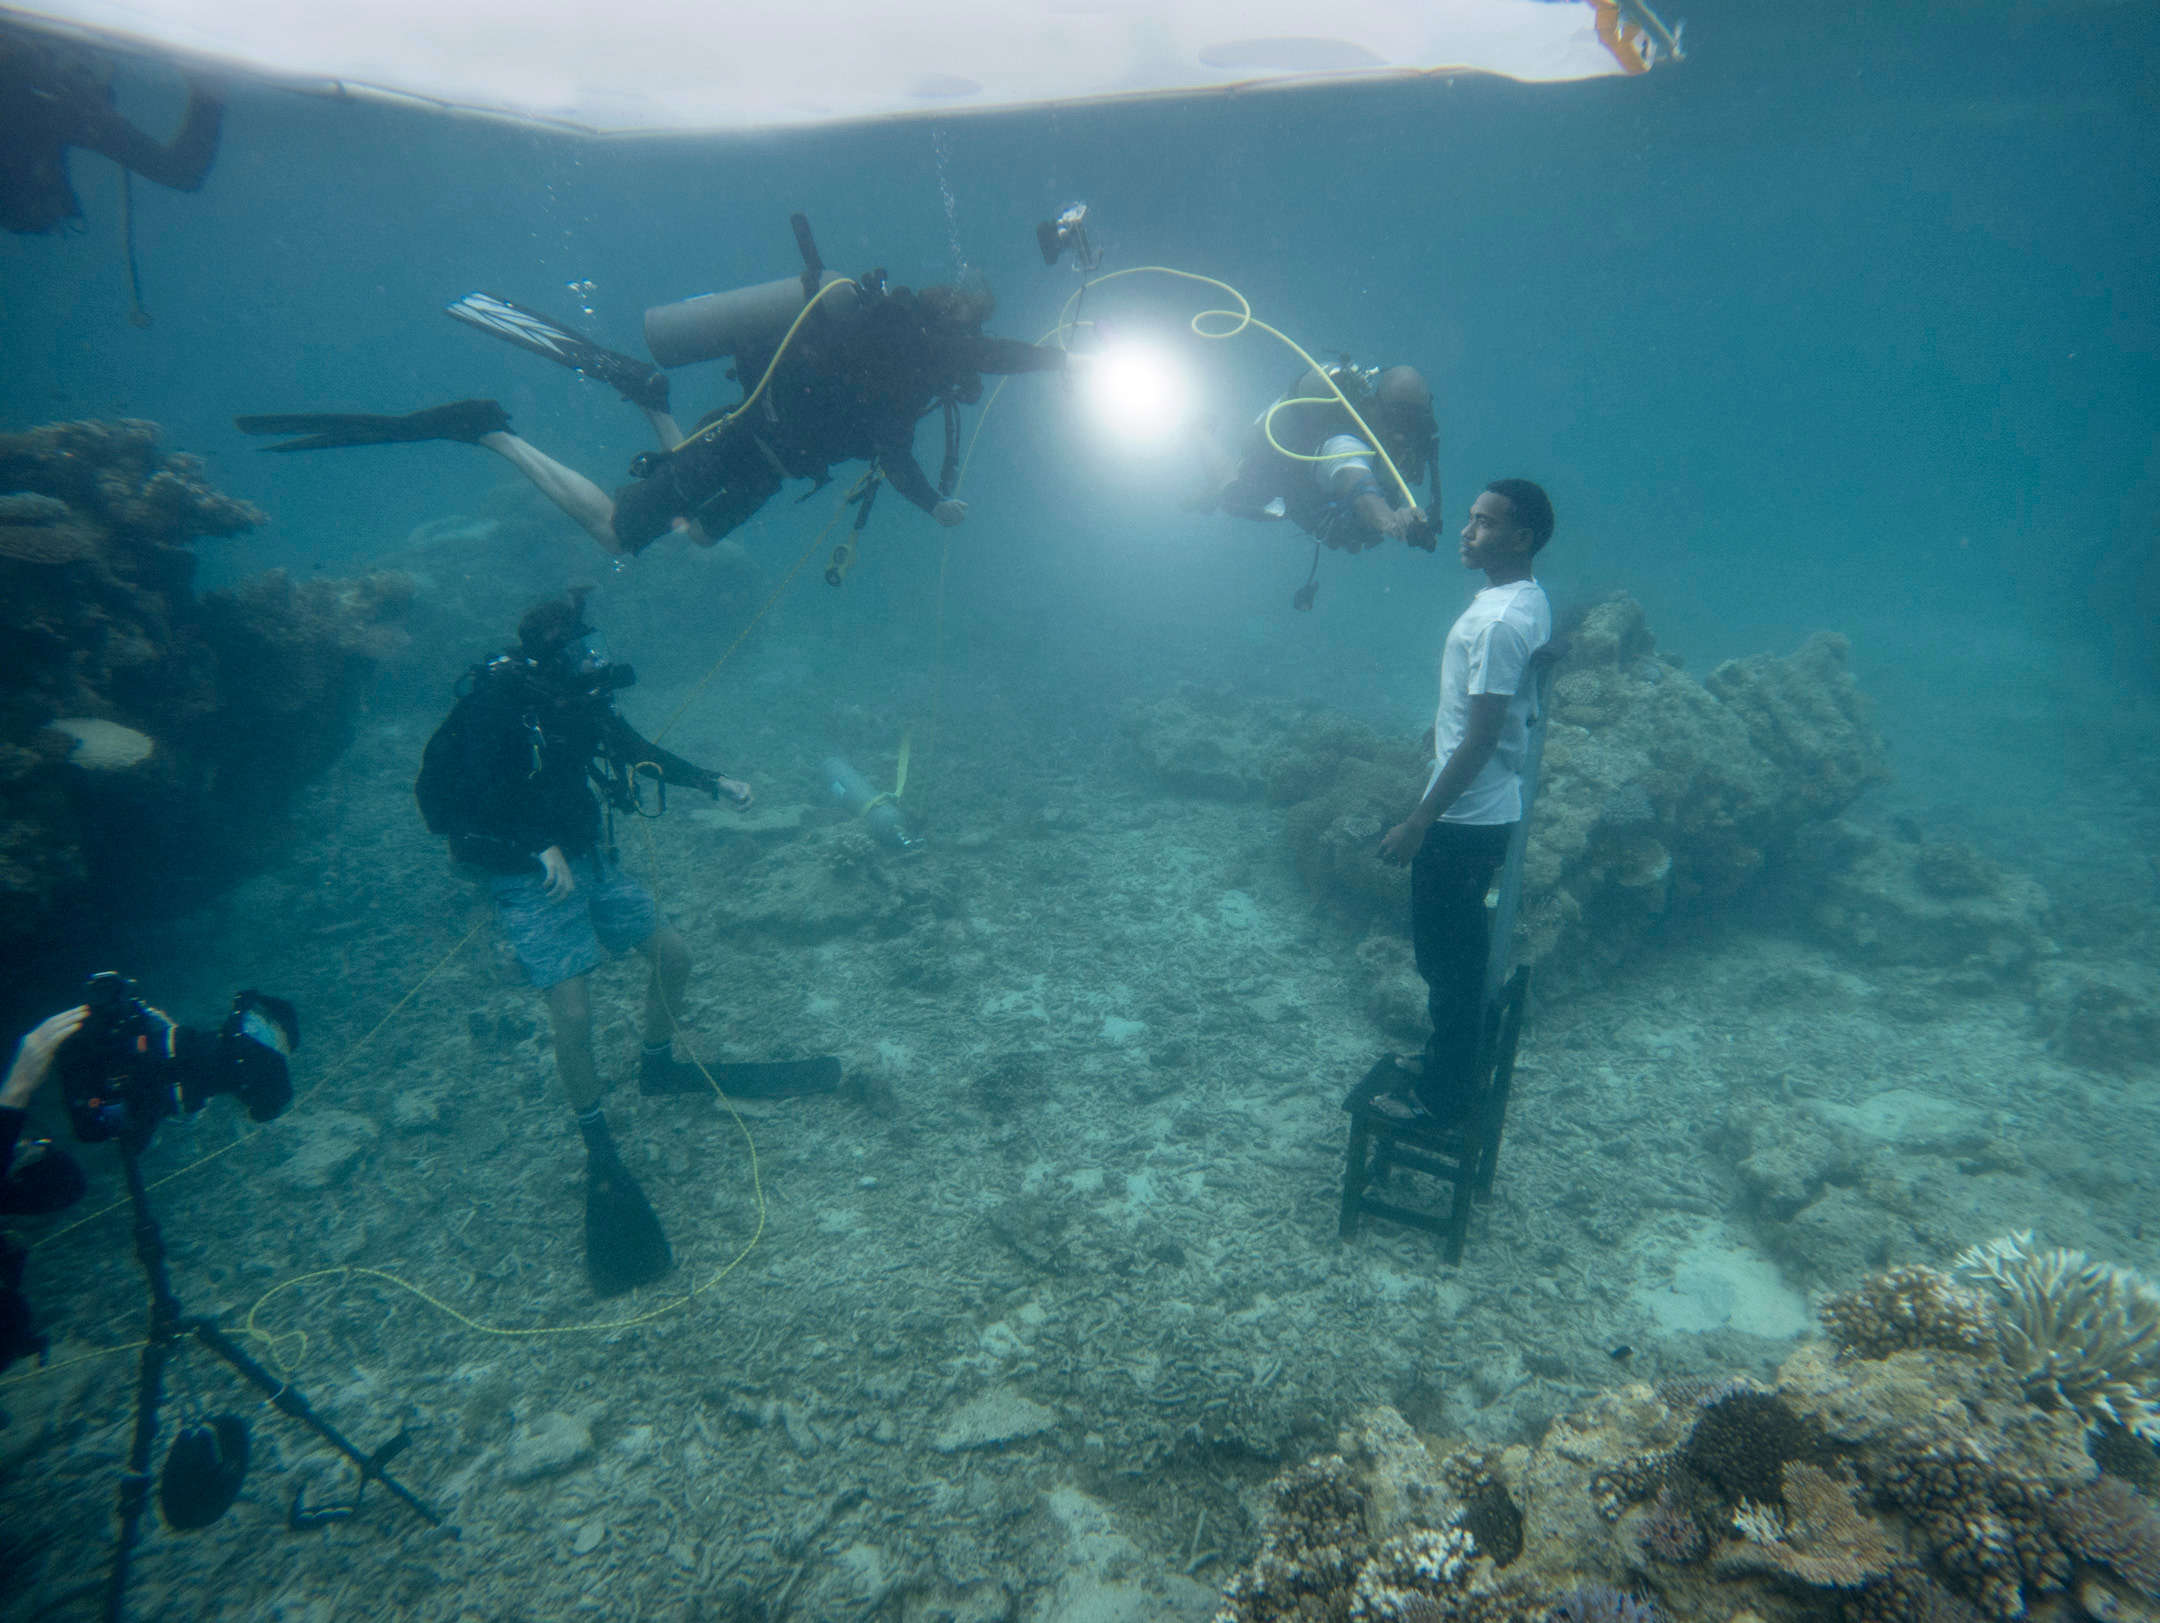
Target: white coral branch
[(2081, 1334)]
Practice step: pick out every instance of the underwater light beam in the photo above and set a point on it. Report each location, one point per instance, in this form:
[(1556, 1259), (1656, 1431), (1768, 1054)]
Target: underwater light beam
[(1139, 394)]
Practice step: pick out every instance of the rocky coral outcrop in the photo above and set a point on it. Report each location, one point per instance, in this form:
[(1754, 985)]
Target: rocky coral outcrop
[(2105, 1016), (1661, 793), (1931, 903), (1910, 1469), (150, 737), (1922, 1482)]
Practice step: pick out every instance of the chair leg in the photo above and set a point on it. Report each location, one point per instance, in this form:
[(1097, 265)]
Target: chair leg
[(1354, 1179)]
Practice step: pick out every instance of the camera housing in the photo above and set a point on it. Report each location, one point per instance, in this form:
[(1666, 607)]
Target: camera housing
[(131, 1066)]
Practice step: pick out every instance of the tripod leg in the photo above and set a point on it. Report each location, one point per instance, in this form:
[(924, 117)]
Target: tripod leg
[(135, 1484), (287, 1399)]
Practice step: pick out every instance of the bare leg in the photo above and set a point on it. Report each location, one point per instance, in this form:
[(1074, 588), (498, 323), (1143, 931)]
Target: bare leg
[(564, 486), (670, 960), (570, 1010)]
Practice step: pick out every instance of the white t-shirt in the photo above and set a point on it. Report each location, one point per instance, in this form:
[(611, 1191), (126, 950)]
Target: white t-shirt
[(1488, 651), (1348, 457)]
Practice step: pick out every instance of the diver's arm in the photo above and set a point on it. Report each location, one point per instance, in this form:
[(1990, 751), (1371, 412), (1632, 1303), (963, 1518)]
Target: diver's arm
[(33, 1061), (1002, 357), (624, 743), (905, 474), (1386, 523), (183, 164)]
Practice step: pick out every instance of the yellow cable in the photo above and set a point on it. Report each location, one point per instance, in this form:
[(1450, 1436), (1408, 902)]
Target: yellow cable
[(786, 580), (1240, 319), (757, 1183), (772, 366), (271, 1340)]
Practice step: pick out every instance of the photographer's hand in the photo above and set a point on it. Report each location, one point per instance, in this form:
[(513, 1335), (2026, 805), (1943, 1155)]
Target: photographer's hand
[(560, 881), (34, 1056)]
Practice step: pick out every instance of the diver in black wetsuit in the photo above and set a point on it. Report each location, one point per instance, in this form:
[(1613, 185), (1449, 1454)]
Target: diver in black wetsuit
[(54, 96), (847, 389)]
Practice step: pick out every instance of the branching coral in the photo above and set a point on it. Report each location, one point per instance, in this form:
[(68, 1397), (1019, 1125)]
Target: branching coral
[(1742, 1440), (1309, 1557), (1407, 1577), (1602, 1603), (1317, 1561), (2110, 1523), (1906, 1594), (1908, 1308), (2080, 1334), (1823, 1539), (1670, 1532), (1985, 1520)]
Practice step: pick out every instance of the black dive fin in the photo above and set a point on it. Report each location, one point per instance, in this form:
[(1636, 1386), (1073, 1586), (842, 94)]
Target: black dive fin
[(625, 1247), (779, 1079), (462, 420), (749, 1079), (640, 384)]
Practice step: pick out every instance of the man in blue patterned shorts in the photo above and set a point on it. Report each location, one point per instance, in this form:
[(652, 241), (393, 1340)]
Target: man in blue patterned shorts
[(508, 779)]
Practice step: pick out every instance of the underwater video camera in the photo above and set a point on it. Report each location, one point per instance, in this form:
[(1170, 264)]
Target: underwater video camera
[(131, 1066), (1068, 231)]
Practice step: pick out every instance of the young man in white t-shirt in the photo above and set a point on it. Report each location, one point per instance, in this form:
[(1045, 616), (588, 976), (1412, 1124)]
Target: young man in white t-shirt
[(1458, 835)]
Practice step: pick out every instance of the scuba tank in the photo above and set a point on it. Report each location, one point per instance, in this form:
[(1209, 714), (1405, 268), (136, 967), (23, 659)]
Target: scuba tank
[(748, 320), (851, 791), (742, 320)]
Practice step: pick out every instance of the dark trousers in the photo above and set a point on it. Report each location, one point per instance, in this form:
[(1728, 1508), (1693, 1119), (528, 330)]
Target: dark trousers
[(1452, 934), (720, 480)]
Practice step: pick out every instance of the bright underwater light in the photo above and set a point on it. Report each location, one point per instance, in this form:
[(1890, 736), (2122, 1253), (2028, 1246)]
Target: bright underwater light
[(1139, 394)]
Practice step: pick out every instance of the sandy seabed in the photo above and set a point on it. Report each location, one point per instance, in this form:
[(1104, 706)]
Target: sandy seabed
[(1013, 1326)]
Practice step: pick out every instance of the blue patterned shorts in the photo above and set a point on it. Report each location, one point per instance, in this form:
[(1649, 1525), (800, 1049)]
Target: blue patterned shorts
[(606, 916)]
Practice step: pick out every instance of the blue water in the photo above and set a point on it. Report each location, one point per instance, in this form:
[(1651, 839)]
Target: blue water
[(1805, 330)]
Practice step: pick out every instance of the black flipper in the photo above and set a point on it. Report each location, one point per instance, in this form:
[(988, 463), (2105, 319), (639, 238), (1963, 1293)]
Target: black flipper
[(750, 1079), (625, 1247), (640, 384), (462, 420)]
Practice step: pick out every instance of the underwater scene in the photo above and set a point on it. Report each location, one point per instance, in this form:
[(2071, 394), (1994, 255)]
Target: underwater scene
[(1452, 915)]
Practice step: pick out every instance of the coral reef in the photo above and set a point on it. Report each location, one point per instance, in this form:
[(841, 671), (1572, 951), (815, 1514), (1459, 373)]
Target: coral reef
[(1906, 1474), (1661, 793), (2110, 1523), (150, 737), (1935, 904), (1907, 1308), (2080, 1334), (2105, 1016)]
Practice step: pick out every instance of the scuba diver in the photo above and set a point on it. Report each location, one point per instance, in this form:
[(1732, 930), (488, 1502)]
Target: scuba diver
[(1328, 484), (55, 95), (833, 370), (506, 779)]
